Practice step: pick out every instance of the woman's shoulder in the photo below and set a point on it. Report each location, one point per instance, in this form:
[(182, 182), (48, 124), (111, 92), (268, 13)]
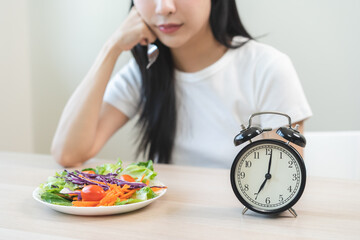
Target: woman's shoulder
[(256, 51)]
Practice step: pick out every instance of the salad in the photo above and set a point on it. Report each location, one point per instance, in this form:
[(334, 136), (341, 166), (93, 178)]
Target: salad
[(105, 185)]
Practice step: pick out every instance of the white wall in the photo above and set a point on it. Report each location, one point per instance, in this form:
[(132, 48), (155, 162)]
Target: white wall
[(320, 36), (66, 36), (333, 154), (15, 87)]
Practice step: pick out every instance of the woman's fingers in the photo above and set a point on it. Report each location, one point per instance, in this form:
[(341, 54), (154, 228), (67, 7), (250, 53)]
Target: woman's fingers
[(144, 42), (148, 35), (133, 31)]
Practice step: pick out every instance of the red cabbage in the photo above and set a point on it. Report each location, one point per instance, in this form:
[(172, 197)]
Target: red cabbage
[(76, 178)]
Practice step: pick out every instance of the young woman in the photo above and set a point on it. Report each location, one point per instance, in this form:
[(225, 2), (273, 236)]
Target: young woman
[(210, 76)]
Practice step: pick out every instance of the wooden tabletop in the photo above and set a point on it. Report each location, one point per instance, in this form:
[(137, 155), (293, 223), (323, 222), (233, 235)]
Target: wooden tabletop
[(199, 204)]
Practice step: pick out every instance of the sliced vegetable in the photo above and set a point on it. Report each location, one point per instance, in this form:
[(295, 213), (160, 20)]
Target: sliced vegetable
[(114, 193), (85, 203), (156, 188)]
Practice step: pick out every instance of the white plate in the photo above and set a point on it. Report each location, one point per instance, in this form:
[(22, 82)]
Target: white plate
[(97, 211)]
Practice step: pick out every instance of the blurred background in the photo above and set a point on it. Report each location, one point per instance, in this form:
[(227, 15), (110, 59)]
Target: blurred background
[(47, 47)]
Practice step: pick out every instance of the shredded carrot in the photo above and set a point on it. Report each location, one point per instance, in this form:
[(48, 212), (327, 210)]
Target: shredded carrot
[(147, 182), (85, 203), (142, 178), (155, 189), (73, 194), (128, 195), (114, 193)]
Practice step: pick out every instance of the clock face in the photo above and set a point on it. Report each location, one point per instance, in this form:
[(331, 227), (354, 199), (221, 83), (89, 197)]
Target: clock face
[(268, 176)]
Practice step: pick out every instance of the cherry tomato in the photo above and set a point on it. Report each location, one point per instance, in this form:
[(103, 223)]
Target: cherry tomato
[(92, 193), (127, 178), (89, 172)]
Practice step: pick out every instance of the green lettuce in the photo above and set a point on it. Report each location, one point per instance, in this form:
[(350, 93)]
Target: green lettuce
[(127, 201), (55, 199), (89, 169), (140, 195), (137, 170), (148, 164), (145, 193), (55, 184), (108, 168)]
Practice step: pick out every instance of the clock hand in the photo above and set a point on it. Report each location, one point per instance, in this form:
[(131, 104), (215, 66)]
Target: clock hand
[(267, 176), (261, 187), (270, 162)]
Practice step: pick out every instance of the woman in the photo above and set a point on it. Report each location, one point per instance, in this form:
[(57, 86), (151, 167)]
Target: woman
[(209, 78)]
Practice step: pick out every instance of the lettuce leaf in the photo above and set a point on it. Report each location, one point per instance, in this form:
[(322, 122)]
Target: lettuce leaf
[(138, 170), (55, 184), (148, 164), (55, 199), (108, 168), (127, 201), (89, 169), (145, 193)]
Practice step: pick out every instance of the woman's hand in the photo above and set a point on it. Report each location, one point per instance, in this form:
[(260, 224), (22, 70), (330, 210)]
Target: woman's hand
[(132, 31)]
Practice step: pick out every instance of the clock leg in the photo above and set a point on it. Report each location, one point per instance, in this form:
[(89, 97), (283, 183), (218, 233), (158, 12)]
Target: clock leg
[(244, 210), (292, 211)]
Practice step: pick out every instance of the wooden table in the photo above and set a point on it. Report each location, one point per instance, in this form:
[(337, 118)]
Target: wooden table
[(199, 204)]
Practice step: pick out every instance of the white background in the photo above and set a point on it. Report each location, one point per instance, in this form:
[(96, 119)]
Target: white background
[(47, 46)]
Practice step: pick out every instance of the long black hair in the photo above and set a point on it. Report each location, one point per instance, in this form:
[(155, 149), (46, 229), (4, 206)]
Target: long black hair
[(158, 114)]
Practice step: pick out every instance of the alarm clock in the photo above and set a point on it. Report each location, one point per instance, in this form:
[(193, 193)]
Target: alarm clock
[(268, 176)]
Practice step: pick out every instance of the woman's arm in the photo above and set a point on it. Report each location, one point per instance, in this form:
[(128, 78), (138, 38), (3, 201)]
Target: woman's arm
[(75, 138), (87, 122)]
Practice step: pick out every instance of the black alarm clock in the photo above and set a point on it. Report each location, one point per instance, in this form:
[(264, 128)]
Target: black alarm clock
[(268, 176)]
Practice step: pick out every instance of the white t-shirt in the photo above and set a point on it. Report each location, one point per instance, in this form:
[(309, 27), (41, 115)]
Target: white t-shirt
[(215, 101)]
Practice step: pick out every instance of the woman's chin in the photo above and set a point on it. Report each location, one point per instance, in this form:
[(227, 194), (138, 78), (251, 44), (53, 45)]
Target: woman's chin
[(173, 42)]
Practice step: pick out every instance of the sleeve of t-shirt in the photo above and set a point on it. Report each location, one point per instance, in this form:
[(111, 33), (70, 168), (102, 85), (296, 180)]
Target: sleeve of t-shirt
[(279, 89), (123, 90)]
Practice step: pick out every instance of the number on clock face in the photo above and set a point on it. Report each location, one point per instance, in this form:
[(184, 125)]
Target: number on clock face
[(268, 176)]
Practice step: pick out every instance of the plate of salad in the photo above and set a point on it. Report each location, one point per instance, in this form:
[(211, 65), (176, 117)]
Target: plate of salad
[(104, 190)]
